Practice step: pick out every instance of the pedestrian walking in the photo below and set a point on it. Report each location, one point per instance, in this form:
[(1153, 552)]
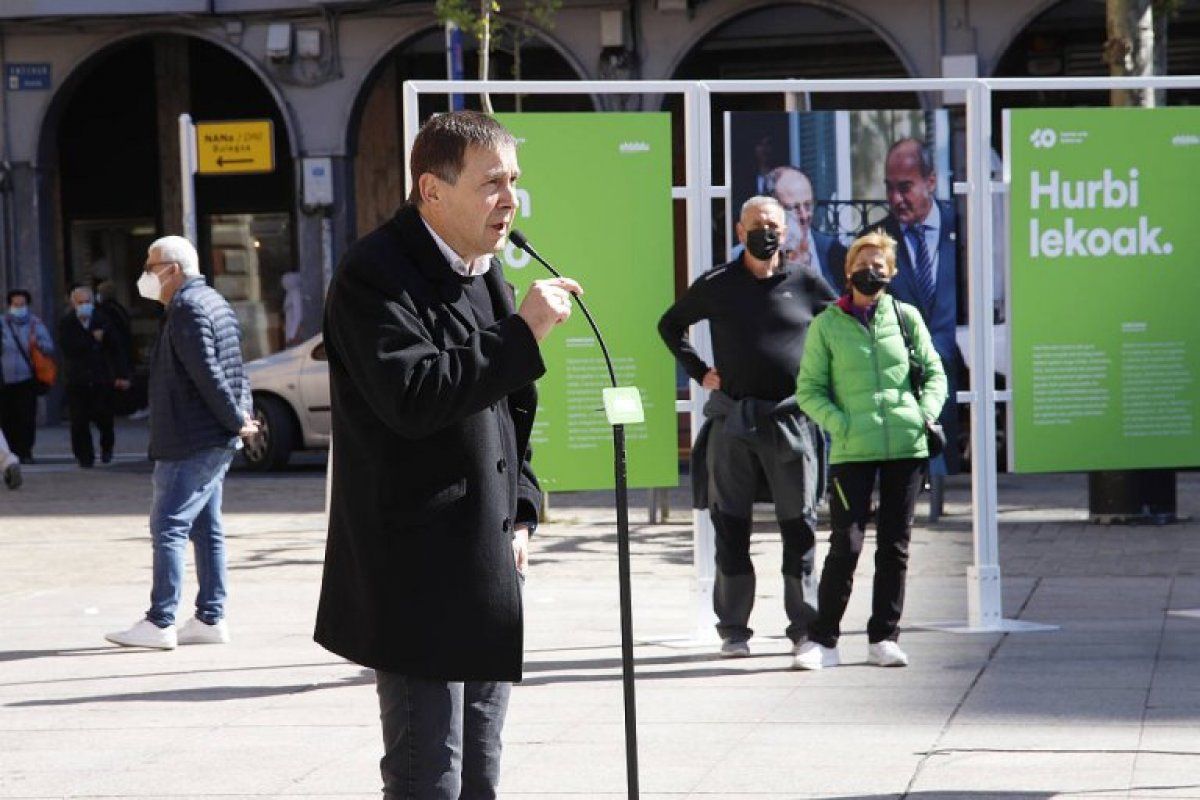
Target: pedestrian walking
[(200, 407), (858, 382), (21, 332), (96, 368)]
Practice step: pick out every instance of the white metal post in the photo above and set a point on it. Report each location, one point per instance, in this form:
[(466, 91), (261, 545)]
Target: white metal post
[(698, 154), (187, 176)]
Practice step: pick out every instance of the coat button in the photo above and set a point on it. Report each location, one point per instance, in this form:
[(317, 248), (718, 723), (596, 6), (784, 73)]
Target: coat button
[(506, 526), (501, 465)]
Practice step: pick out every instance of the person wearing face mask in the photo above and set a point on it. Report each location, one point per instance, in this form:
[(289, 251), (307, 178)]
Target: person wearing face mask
[(855, 381), (200, 409), (758, 311), (96, 367), (18, 387)]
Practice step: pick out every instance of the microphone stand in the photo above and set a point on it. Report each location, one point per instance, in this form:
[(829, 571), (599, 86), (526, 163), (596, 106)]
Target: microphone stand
[(622, 496)]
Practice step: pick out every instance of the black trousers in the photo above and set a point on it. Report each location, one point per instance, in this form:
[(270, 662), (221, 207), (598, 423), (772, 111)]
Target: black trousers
[(90, 404), (441, 739), (850, 489), (18, 416)]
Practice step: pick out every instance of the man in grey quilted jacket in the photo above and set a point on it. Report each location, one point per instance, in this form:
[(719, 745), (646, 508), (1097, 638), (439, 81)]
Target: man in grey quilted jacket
[(200, 409)]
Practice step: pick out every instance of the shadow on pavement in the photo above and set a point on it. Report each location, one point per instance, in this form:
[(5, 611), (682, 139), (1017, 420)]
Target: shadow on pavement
[(205, 694)]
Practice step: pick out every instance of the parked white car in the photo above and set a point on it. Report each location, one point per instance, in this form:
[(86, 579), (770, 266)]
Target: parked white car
[(291, 404)]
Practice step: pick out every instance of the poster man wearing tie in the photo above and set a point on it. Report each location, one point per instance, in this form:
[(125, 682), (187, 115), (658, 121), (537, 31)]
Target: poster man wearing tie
[(927, 263)]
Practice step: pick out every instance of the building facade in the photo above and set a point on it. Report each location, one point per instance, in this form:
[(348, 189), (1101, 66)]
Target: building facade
[(93, 91)]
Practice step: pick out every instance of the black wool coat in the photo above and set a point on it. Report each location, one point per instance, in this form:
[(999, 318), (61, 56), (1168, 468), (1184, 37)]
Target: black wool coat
[(431, 420)]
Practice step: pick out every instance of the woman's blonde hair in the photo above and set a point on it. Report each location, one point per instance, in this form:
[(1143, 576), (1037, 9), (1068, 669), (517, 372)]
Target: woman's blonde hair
[(877, 239)]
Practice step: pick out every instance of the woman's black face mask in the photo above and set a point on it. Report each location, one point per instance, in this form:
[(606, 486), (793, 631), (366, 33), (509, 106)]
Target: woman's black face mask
[(869, 282)]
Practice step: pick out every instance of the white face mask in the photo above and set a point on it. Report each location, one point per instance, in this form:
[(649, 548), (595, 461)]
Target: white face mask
[(149, 286)]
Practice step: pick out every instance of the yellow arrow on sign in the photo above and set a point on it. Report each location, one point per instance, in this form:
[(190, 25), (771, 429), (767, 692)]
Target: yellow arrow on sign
[(236, 147)]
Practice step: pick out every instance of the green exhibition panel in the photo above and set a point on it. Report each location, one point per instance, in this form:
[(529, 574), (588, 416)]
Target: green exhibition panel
[(595, 194), (1105, 264)]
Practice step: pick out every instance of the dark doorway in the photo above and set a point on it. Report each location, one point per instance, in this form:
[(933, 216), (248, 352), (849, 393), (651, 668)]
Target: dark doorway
[(118, 184)]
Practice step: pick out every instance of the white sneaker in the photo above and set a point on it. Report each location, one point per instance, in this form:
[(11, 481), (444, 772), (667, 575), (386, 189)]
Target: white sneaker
[(145, 633), (196, 632), (810, 655), (732, 649), (887, 654)]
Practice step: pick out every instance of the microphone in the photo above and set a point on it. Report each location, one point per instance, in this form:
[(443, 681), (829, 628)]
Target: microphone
[(522, 243)]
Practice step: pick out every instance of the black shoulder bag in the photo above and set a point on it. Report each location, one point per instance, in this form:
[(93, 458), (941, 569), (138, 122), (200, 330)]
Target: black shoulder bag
[(935, 436)]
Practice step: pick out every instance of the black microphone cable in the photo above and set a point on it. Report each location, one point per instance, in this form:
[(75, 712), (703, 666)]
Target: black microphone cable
[(518, 239)]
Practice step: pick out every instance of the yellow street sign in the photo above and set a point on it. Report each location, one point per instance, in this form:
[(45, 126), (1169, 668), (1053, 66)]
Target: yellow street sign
[(230, 148)]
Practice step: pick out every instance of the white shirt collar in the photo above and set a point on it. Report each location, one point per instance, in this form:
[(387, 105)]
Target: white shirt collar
[(933, 219), (476, 267)]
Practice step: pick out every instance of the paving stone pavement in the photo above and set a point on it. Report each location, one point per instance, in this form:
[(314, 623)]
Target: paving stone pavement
[(1107, 705)]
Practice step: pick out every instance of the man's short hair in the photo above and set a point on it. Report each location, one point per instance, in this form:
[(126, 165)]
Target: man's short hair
[(179, 250), (81, 286), (925, 163), (441, 145), (19, 293), (760, 200)]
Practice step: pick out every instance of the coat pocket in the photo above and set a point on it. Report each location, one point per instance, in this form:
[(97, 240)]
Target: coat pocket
[(443, 497)]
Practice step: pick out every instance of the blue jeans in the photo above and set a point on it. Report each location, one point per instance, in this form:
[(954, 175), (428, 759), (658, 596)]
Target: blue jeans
[(187, 505), (441, 739)]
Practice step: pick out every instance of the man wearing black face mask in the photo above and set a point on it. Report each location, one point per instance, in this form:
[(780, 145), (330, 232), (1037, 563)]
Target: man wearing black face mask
[(758, 312)]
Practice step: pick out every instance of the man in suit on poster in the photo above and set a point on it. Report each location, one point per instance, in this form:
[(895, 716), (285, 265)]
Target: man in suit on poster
[(926, 262)]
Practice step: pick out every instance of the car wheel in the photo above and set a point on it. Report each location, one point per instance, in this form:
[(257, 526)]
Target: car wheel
[(271, 447)]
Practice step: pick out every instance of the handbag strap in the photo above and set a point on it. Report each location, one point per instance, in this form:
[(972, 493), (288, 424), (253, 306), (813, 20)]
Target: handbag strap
[(21, 350), (908, 345)]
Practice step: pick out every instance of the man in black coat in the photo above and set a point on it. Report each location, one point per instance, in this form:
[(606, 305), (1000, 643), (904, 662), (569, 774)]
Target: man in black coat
[(96, 367), (431, 376)]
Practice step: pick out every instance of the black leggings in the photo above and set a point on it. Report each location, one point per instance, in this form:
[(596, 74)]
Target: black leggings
[(850, 488)]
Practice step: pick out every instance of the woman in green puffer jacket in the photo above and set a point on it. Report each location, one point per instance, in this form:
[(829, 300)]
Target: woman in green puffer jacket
[(854, 381)]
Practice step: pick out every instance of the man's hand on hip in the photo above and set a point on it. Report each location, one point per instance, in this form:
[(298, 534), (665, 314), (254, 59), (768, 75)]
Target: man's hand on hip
[(712, 380), (547, 303)]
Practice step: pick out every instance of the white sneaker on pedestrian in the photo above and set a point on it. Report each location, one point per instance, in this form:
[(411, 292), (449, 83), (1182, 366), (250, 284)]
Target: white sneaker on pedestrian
[(195, 631), (887, 654), (810, 655), (145, 633), (735, 649), (141, 413)]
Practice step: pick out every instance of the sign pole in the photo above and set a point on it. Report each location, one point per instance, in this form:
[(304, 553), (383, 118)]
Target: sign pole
[(187, 181)]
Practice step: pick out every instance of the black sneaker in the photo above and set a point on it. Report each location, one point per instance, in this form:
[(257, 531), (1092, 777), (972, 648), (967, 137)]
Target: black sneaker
[(106, 457), (12, 476), (87, 464)]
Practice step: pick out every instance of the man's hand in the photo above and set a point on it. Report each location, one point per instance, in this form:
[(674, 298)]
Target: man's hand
[(98, 334), (546, 304), (249, 427), (520, 546), (121, 385), (712, 380)]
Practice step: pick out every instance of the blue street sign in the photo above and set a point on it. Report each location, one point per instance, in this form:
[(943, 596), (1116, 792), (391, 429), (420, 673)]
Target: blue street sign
[(27, 77)]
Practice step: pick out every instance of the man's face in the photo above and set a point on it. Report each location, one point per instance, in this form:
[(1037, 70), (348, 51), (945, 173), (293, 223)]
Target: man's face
[(18, 301), (757, 217), (909, 194), (80, 296), (165, 269), (477, 210), (795, 194)]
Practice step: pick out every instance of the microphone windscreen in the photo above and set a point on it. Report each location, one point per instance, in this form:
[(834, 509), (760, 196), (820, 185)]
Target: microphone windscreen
[(518, 239)]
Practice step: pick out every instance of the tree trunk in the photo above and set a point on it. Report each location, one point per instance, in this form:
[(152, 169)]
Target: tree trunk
[(1129, 50), (172, 98), (485, 50)]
